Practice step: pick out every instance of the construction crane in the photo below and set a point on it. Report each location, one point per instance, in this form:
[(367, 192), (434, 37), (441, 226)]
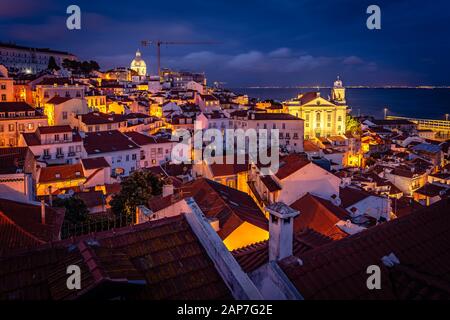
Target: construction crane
[(158, 43)]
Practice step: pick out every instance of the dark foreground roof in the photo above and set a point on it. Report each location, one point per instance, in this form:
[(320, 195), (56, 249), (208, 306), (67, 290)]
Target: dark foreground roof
[(155, 260), (420, 241)]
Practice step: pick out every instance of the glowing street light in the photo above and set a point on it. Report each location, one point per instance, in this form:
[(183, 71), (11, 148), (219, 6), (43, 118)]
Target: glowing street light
[(446, 117), (385, 112)]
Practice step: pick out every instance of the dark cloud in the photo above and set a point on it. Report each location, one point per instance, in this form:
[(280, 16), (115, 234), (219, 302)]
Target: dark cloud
[(279, 42)]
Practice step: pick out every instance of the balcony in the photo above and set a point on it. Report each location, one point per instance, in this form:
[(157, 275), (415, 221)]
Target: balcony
[(71, 154), (59, 155), (46, 157)]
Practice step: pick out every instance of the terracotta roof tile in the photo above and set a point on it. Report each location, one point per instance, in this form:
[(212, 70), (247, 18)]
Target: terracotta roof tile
[(420, 241), (156, 260), (320, 215), (61, 173), (21, 225), (230, 206)]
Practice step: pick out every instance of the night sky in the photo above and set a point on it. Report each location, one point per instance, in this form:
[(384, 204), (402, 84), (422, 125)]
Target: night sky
[(264, 42)]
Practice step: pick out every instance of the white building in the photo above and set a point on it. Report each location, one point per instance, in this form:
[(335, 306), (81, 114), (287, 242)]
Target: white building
[(17, 118), (290, 127), (295, 177), (60, 110), (154, 151), (30, 60), (58, 87), (54, 144), (120, 152)]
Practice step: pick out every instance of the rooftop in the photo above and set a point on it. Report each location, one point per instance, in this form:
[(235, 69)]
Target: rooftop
[(157, 260), (107, 141), (338, 270)]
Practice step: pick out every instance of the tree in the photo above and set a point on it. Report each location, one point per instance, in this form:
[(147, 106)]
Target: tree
[(137, 189), (52, 65), (76, 210), (352, 124)]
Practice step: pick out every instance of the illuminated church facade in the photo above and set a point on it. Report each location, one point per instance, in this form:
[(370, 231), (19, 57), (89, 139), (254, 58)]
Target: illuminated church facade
[(138, 64), (323, 117)]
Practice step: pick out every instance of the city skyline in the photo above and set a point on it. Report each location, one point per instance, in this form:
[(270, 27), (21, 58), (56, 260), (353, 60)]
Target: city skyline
[(274, 44)]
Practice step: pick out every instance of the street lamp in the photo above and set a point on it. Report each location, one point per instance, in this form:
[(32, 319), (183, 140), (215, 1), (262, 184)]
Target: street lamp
[(385, 112), (446, 117)]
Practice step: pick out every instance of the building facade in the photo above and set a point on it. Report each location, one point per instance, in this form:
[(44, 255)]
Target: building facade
[(322, 117), (30, 60), (17, 118)]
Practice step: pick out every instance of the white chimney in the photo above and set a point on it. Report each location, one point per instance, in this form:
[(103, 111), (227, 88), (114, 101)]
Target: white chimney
[(281, 230), (167, 189), (42, 211)]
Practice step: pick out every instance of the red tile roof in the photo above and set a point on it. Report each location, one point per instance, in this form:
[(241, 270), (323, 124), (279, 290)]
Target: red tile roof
[(107, 141), (320, 215), (21, 226), (164, 258), (254, 256), (270, 183), (54, 129), (420, 241), (94, 163), (61, 173), (93, 118), (142, 139), (230, 206), (291, 164), (58, 100), (350, 196), (16, 107)]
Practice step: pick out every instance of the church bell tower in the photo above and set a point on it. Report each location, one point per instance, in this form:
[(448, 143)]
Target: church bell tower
[(338, 92)]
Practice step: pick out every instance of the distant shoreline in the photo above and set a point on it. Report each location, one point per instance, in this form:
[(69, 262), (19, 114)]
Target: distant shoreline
[(348, 87)]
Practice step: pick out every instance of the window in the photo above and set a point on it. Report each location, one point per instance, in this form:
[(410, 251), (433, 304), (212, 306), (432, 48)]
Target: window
[(71, 149), (3, 86), (318, 117), (66, 137), (127, 158), (21, 127), (56, 137), (340, 118), (59, 151), (11, 141), (3, 97), (307, 124), (30, 126), (329, 116), (46, 152), (274, 126), (288, 136), (97, 128), (11, 127), (133, 156), (2, 128), (78, 148), (265, 125), (109, 126), (295, 135), (64, 115), (284, 125), (90, 128), (281, 135)]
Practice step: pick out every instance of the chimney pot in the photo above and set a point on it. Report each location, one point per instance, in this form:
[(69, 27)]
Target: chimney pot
[(42, 211), (281, 230)]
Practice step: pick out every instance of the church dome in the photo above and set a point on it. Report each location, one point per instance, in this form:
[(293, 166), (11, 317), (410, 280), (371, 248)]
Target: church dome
[(138, 64)]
